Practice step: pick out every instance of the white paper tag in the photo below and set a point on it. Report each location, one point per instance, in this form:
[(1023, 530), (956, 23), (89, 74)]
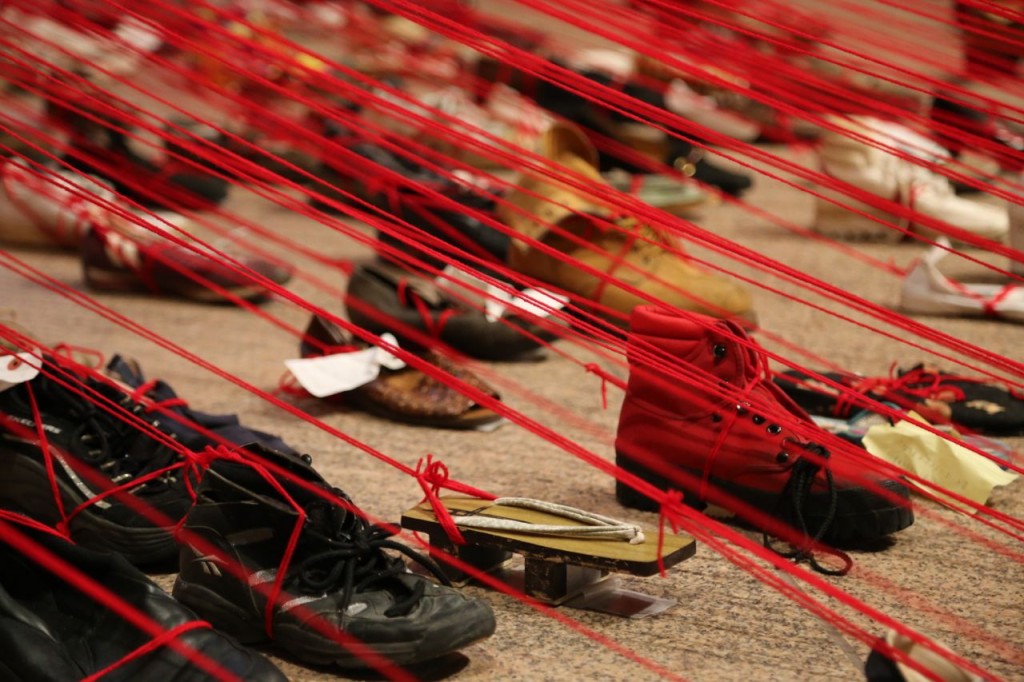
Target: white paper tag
[(496, 301), (340, 372), (17, 368), (537, 302)]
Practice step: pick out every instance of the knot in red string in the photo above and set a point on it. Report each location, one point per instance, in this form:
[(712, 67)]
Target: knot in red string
[(670, 511), (432, 472), (594, 368), (432, 476)]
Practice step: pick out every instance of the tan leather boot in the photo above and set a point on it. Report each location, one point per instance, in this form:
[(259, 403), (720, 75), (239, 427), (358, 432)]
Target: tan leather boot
[(631, 254)]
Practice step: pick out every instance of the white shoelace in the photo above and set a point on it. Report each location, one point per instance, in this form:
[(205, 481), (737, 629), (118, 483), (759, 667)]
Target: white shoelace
[(597, 526)]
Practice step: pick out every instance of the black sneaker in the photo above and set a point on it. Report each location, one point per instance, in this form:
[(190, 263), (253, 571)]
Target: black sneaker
[(340, 584), (51, 630), (92, 451)]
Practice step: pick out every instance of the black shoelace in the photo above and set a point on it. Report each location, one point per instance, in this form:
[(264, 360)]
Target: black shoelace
[(356, 562), (795, 495), (114, 446)]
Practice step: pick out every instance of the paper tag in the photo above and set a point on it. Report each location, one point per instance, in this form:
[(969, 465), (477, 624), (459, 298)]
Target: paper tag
[(17, 368), (333, 374), (537, 302), (937, 460), (496, 301)]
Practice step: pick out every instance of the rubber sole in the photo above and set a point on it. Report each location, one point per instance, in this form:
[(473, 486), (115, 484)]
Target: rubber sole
[(311, 648), (25, 485), (849, 225), (875, 517)]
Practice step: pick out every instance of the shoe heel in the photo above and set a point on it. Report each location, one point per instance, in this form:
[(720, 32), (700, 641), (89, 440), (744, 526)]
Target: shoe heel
[(837, 222), (628, 497), (220, 613)]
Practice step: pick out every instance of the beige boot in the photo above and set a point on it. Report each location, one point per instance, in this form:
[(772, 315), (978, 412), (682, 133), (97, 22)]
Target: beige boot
[(890, 177), (632, 254)]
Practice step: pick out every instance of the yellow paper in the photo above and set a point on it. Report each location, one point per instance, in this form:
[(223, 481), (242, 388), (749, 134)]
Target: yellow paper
[(946, 464)]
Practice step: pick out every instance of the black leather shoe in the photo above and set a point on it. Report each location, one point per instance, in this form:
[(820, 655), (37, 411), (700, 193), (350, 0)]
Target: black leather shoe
[(52, 632), (379, 296), (398, 186)]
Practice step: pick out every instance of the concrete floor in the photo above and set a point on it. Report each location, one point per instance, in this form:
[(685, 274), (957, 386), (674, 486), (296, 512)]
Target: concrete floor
[(949, 576)]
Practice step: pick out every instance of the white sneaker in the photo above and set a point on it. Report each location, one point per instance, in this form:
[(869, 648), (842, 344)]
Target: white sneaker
[(926, 291), (888, 176), (45, 207)]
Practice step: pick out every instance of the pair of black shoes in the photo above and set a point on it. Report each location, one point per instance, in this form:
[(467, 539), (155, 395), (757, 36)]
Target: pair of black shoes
[(341, 592), (113, 434)]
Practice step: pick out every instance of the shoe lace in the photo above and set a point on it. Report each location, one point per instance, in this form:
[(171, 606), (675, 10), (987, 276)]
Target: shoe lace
[(354, 560), (644, 239), (112, 444), (900, 386), (794, 494), (803, 473)]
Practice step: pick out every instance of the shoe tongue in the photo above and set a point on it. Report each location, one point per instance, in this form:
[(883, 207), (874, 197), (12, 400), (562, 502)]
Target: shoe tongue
[(328, 519), (251, 476), (125, 370)]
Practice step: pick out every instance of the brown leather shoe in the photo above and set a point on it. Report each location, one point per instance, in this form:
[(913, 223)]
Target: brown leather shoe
[(635, 255)]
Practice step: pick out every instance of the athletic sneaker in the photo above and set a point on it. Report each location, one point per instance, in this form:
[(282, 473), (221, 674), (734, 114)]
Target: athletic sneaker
[(81, 450), (340, 586)]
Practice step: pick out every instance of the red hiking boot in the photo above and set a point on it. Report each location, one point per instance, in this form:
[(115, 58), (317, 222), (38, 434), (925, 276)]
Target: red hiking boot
[(726, 435)]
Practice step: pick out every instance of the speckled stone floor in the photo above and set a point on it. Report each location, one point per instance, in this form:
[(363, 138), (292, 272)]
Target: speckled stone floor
[(948, 575)]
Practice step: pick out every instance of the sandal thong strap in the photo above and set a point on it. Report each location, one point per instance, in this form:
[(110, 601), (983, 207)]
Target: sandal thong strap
[(596, 525)]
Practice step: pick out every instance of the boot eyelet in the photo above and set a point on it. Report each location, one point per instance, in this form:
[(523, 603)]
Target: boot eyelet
[(719, 351), (774, 429), (740, 409), (758, 419), (308, 459), (782, 457), (716, 417)]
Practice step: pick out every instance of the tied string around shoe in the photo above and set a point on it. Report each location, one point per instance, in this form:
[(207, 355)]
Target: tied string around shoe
[(144, 466), (923, 382), (433, 474), (794, 495), (434, 321)]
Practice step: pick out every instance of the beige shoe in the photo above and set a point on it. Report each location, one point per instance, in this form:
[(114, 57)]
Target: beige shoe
[(634, 255), (888, 176), (46, 208)]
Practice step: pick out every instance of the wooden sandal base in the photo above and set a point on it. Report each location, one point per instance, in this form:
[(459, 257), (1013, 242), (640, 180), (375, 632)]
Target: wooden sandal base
[(557, 568)]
